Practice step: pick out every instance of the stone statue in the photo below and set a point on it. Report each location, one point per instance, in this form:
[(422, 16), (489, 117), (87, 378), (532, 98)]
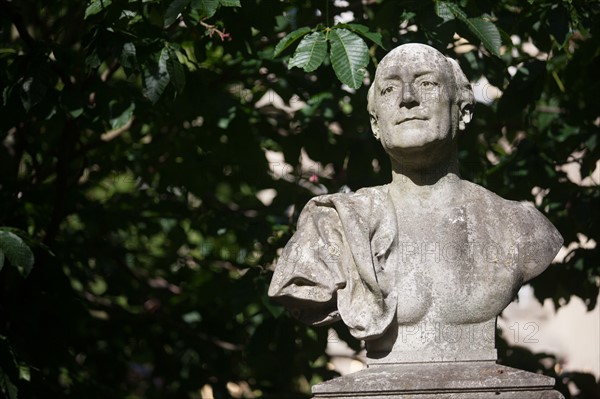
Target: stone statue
[(418, 268)]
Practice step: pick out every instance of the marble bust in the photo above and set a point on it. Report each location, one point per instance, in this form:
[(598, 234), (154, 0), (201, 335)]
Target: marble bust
[(418, 268)]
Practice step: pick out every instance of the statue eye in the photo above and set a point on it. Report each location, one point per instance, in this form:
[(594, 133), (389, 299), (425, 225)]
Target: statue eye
[(387, 90), (428, 84)]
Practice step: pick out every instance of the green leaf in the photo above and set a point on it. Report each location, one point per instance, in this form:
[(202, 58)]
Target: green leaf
[(482, 27), (17, 252), (230, 3), (205, 8), (123, 117), (349, 57), (453, 8), (310, 52), (487, 32), (24, 373), (289, 39), (33, 90), (95, 6), (176, 71), (363, 31), (444, 11), (128, 56), (7, 387), (174, 9), (156, 76)]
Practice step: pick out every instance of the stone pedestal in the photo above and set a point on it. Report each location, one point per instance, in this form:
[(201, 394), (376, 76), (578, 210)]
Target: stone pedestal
[(447, 380)]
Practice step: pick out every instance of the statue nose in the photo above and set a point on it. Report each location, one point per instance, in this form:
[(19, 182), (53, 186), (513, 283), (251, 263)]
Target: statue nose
[(409, 96)]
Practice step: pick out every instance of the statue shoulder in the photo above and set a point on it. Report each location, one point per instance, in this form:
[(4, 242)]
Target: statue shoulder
[(362, 201), (522, 226)]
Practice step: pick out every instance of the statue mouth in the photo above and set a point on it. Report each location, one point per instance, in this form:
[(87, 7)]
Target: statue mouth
[(410, 118)]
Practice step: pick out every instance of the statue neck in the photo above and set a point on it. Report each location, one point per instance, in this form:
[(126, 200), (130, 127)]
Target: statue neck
[(425, 172)]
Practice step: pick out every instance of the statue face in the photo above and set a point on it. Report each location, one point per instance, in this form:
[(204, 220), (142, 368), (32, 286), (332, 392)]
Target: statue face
[(414, 100)]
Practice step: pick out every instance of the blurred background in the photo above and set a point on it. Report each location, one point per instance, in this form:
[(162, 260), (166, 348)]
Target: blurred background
[(155, 156)]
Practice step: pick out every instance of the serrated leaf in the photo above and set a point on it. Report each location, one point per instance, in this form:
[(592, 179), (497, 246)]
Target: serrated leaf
[(443, 10), (17, 252), (95, 6), (173, 11), (230, 3), (310, 53), (454, 9), (176, 71), (349, 56), (363, 31), (487, 32), (289, 39), (484, 29), (205, 8), (156, 76)]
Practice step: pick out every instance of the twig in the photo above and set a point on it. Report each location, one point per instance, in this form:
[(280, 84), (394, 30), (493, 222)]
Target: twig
[(213, 29)]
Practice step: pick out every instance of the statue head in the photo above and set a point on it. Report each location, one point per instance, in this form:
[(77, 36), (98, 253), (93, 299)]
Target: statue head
[(418, 100)]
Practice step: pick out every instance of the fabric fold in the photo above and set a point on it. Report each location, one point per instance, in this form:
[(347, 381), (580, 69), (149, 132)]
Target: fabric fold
[(340, 263)]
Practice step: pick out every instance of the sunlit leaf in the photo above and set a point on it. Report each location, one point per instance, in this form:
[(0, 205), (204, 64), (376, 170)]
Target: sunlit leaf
[(363, 31), (310, 53), (482, 27), (487, 32), (95, 6), (349, 57), (289, 39), (24, 373), (444, 11), (124, 117)]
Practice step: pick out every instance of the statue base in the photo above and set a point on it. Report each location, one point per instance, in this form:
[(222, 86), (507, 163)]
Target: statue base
[(448, 380)]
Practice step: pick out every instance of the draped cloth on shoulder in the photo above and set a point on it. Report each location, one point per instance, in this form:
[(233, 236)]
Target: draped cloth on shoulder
[(341, 263)]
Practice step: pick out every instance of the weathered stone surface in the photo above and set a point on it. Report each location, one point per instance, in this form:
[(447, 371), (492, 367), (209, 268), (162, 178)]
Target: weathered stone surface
[(439, 380), (421, 267)]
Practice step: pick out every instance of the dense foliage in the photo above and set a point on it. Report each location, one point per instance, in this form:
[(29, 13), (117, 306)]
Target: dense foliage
[(137, 134)]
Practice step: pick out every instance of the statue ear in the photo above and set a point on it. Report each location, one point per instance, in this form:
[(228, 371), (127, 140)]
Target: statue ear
[(374, 126), (466, 114), (371, 109)]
